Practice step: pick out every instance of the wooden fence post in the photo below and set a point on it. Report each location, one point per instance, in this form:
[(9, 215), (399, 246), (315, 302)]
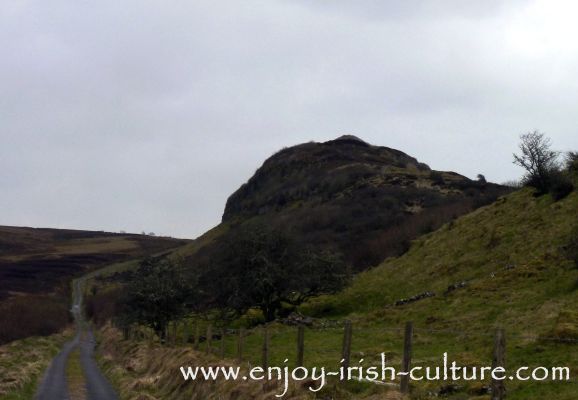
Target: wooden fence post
[(174, 335), (300, 345), (265, 357), (209, 337), (222, 353), (346, 351), (185, 333), (192, 332), (499, 360), (407, 344), (197, 334), (240, 344)]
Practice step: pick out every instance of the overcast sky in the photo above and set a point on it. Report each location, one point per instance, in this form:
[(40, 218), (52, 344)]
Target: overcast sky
[(145, 115)]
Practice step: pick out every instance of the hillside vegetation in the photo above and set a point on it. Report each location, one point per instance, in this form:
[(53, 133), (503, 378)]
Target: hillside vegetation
[(511, 264), (363, 201), (22, 363)]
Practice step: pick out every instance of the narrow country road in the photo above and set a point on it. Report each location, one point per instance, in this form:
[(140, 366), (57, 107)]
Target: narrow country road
[(54, 385), (97, 386)]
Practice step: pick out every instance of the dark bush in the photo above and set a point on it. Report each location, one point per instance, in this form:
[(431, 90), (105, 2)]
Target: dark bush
[(560, 185), (555, 182), (572, 161), (102, 306)]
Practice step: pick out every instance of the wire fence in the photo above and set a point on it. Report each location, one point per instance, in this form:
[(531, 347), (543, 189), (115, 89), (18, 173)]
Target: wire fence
[(340, 343)]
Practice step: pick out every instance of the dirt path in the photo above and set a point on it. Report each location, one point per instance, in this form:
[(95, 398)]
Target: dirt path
[(54, 385)]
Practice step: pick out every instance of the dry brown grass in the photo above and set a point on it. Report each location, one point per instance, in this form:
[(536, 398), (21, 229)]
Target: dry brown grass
[(23, 361), (148, 371)]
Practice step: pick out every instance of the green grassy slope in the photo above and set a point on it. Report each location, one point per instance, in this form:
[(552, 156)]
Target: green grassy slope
[(511, 254)]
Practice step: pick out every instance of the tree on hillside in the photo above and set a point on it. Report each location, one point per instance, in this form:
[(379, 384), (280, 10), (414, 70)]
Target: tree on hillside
[(572, 161), (538, 159), (263, 268), (156, 294)]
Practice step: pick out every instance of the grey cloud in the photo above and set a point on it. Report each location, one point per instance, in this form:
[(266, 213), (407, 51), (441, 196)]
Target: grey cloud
[(146, 114)]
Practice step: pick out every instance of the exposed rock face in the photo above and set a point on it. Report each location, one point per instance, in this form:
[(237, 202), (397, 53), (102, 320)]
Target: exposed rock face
[(352, 139), (365, 201), (319, 171)]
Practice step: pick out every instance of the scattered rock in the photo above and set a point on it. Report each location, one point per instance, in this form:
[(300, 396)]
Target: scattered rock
[(449, 389), (412, 299), (480, 390), (297, 319), (455, 286)]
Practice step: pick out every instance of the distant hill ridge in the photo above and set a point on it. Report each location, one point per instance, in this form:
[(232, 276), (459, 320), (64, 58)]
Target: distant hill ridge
[(38, 260)]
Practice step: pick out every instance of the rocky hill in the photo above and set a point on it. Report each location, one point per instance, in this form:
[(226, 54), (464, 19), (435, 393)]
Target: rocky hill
[(368, 202)]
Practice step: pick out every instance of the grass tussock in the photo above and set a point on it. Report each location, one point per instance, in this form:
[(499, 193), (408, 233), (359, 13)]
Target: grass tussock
[(22, 363)]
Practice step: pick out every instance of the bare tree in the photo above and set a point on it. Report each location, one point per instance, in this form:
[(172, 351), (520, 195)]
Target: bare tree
[(538, 159)]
